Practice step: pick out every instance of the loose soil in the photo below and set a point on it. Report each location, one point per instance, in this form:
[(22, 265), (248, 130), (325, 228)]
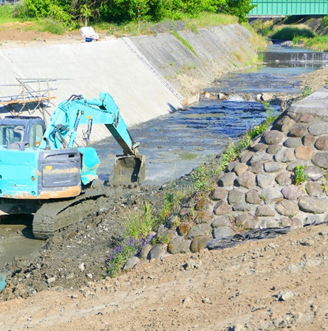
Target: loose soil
[(265, 285), (18, 35)]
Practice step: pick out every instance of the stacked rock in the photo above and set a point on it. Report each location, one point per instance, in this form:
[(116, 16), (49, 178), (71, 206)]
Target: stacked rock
[(262, 188)]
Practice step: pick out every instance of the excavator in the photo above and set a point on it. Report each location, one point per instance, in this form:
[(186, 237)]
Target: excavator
[(44, 171)]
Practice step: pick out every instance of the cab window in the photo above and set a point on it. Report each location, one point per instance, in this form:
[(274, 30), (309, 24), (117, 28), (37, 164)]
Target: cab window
[(36, 134), (11, 133)]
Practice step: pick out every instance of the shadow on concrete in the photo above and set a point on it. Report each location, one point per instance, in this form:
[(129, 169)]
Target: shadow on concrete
[(172, 108)]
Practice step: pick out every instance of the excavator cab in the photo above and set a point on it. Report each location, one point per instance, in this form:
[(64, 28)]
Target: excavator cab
[(21, 131)]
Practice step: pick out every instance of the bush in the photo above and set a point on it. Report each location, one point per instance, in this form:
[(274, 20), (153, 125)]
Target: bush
[(130, 247), (289, 33)]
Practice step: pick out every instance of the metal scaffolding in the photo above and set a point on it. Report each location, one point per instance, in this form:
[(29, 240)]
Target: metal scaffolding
[(34, 94)]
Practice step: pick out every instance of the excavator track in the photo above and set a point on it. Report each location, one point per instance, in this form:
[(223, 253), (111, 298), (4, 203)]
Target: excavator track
[(55, 215)]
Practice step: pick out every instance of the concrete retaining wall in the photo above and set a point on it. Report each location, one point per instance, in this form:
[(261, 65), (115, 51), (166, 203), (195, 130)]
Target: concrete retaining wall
[(218, 50), (137, 72)]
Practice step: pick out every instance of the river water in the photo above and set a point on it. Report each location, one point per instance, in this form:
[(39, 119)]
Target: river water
[(176, 143)]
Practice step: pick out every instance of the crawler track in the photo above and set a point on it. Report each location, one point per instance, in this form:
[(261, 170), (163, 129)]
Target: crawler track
[(55, 215)]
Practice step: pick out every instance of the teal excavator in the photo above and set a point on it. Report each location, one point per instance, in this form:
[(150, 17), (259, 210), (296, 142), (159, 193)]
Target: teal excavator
[(44, 172)]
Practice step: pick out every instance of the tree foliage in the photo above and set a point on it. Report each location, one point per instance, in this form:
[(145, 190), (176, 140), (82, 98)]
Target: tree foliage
[(239, 8), (122, 11)]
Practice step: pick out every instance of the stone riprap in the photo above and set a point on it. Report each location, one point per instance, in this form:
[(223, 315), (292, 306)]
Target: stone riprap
[(258, 190)]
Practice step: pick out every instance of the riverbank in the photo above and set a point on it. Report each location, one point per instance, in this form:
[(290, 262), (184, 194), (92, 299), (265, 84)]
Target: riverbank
[(179, 291)]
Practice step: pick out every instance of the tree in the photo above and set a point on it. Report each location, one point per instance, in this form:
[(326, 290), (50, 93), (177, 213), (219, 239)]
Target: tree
[(239, 8), (38, 8), (86, 13)]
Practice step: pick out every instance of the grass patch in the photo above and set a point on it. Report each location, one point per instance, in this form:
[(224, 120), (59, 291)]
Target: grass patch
[(205, 20), (140, 224), (319, 43), (6, 14), (120, 254), (306, 91), (184, 42), (188, 156), (202, 178), (167, 25), (51, 26), (299, 175), (257, 40)]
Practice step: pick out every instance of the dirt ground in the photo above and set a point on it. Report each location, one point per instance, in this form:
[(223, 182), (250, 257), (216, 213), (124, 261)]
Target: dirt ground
[(18, 35), (266, 285)]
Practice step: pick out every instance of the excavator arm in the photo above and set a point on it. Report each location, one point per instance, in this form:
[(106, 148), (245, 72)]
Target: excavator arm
[(62, 132), (62, 129)]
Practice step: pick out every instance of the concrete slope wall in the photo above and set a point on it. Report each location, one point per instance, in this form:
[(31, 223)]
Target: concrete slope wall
[(218, 50), (146, 75), (91, 68)]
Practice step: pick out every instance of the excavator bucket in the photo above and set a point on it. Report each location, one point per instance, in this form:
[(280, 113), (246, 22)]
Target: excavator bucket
[(129, 169)]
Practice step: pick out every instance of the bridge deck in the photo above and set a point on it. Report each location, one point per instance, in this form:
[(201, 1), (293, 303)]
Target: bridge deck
[(289, 7)]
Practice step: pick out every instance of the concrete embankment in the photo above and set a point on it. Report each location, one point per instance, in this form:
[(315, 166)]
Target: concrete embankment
[(148, 76)]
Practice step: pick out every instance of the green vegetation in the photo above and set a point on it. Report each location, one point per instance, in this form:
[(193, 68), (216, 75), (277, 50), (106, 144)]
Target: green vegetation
[(188, 156), (207, 19), (140, 224), (299, 175), (289, 29), (291, 32), (183, 41), (319, 43), (120, 254), (160, 240), (49, 25), (202, 178), (263, 28), (306, 91), (238, 8), (324, 21), (118, 16), (7, 14)]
